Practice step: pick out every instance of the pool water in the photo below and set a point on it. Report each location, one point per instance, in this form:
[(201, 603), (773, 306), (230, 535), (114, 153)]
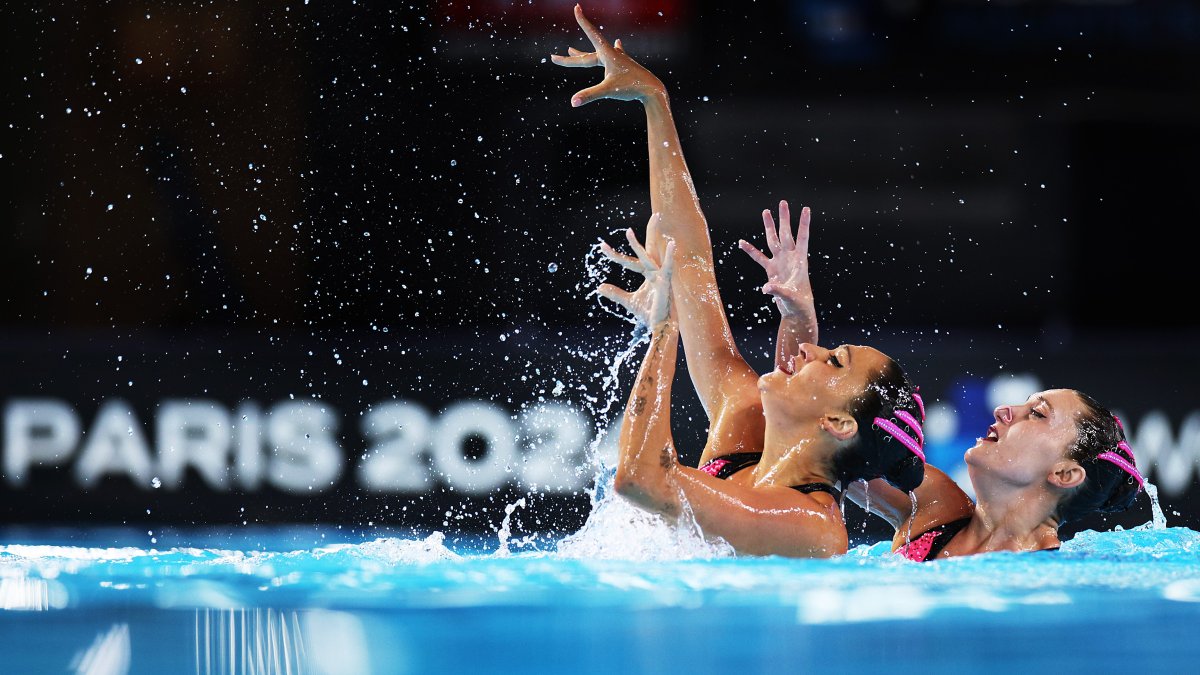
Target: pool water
[(626, 594)]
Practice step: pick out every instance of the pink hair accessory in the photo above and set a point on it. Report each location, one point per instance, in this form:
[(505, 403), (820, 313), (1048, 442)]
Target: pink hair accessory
[(912, 424), (1128, 450), (900, 435), (1124, 464), (921, 403), (1118, 421)]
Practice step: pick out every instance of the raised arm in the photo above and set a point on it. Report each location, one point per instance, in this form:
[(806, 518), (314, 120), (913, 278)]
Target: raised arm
[(767, 520), (787, 282), (717, 369), (939, 501)]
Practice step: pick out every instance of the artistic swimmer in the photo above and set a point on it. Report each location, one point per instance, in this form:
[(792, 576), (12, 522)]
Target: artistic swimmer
[(1053, 459), (778, 445), (1100, 471)]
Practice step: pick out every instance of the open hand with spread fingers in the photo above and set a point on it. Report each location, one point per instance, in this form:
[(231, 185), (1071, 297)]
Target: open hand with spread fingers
[(787, 268), (624, 78), (651, 302)]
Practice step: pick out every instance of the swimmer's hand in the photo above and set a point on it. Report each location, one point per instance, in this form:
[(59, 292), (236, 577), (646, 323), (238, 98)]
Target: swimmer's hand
[(787, 268), (650, 304), (624, 78)]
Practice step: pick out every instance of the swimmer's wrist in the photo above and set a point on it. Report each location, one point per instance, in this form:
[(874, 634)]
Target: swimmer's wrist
[(655, 97), (667, 324), (803, 315)]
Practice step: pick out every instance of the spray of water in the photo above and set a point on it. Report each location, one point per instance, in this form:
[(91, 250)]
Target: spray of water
[(1158, 519), (615, 528), (505, 531), (912, 496)]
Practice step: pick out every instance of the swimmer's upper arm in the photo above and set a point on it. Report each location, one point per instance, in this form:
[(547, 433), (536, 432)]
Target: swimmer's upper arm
[(736, 423), (939, 501), (754, 520)]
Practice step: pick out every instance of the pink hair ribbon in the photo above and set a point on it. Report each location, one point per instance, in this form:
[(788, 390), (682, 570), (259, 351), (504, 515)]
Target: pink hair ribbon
[(912, 424), (1124, 464), (900, 435)]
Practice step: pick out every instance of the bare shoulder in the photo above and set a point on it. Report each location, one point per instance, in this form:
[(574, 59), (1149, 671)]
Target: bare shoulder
[(769, 520), (939, 501)]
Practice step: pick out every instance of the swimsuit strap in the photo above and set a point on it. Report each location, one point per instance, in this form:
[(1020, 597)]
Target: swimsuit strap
[(818, 487), (726, 465), (930, 543), (948, 531), (927, 546)]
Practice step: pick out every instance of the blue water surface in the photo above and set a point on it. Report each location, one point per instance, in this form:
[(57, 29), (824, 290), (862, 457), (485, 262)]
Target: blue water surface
[(638, 597)]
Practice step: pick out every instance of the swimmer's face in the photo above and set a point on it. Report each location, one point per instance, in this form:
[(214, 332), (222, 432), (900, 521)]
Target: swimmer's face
[(1029, 440), (820, 381)]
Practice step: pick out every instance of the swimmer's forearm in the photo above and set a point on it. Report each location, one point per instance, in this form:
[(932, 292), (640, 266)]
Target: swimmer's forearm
[(672, 192), (646, 448), (794, 330)]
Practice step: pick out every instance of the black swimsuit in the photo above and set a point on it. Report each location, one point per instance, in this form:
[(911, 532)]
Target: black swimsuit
[(927, 546), (726, 465)]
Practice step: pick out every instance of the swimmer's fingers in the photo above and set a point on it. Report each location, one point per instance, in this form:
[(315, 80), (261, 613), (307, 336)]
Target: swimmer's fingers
[(802, 230), (627, 261), (621, 297), (593, 34), (752, 251), (642, 256), (785, 226), (599, 91), (769, 227), (668, 265), (577, 59)]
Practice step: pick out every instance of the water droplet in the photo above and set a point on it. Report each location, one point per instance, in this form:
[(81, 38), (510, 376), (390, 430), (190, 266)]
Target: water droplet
[(552, 268)]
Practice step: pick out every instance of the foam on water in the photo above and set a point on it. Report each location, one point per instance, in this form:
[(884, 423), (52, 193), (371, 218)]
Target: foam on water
[(618, 530)]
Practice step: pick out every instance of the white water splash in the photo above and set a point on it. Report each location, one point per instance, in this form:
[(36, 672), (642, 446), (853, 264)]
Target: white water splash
[(618, 530), (394, 551), (505, 531), (1158, 519)]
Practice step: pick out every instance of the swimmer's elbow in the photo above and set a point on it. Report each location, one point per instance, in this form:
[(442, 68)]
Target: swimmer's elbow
[(631, 484), (647, 492)]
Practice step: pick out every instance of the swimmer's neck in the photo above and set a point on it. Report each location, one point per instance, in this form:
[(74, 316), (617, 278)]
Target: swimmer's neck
[(794, 455), (1009, 518)]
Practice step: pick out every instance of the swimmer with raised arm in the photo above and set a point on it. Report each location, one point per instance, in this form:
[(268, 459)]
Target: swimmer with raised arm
[(808, 425), (1055, 458), (757, 517)]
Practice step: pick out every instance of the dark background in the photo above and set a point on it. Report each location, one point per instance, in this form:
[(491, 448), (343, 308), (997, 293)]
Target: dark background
[(992, 183)]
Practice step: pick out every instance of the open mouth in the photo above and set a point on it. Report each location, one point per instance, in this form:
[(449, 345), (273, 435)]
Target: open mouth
[(992, 435)]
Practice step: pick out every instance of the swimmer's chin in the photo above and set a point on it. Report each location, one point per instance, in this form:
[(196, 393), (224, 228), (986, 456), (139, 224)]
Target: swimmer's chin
[(772, 379)]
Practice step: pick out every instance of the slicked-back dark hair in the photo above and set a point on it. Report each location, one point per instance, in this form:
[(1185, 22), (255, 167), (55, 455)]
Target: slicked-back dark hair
[(1107, 487), (874, 453)]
